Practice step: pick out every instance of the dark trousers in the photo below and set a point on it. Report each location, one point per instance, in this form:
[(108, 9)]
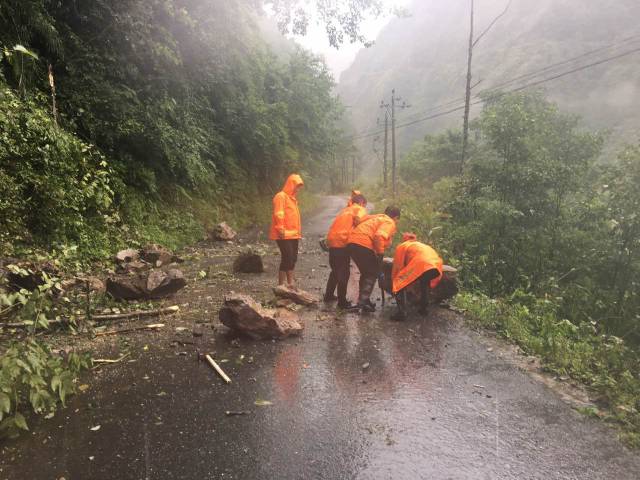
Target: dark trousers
[(289, 254), (339, 261), (424, 280), (369, 267)]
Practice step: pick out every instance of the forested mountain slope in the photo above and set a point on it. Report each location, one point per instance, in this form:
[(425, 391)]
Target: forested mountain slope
[(182, 107), (424, 58)]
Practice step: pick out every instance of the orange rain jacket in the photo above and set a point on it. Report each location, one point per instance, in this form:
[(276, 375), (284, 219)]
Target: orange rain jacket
[(341, 227), (285, 221), (411, 260), (353, 194), (375, 233)]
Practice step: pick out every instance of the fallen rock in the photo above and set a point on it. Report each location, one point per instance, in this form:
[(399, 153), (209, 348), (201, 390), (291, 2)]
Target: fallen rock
[(248, 262), (127, 256), (155, 284), (94, 284), (222, 232), (162, 284), (126, 287), (158, 255), (299, 296), (243, 314), (134, 266)]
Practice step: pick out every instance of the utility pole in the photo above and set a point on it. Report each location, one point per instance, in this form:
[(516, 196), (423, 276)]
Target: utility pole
[(353, 168), (385, 168), (467, 104), (390, 111), (386, 143), (393, 143)]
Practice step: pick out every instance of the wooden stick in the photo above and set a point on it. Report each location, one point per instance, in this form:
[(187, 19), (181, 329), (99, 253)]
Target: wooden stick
[(139, 313), (155, 326), (108, 360), (217, 368), (112, 317)]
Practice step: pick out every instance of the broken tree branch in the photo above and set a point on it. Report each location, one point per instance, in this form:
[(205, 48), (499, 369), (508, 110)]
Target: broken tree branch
[(105, 318), (139, 313), (97, 362), (155, 326)]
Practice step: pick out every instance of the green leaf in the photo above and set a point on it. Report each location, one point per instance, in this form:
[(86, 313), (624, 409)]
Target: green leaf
[(5, 403), (20, 422), (262, 403)]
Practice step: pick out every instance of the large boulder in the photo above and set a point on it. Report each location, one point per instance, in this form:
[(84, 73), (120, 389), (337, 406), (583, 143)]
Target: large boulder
[(243, 314), (446, 289), (222, 232), (157, 255), (162, 284), (248, 262), (299, 296), (128, 255), (149, 285), (130, 287)]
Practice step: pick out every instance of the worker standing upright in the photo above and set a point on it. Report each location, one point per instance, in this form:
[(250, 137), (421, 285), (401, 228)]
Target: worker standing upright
[(414, 263), (366, 246), (339, 260), (286, 228)]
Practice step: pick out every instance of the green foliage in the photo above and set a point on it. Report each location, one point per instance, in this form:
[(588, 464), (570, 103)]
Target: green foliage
[(198, 120), (30, 374), (537, 224), (54, 187), (603, 362), (433, 158), (342, 19)]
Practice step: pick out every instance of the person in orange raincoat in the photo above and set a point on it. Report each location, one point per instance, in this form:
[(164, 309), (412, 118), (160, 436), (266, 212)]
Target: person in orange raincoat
[(337, 238), (414, 262), (286, 228), (366, 246)]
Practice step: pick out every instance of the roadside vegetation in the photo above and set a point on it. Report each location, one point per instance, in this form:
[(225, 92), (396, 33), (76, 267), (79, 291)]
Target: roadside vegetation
[(546, 237)]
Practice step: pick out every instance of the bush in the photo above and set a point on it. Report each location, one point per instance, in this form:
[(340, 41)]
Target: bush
[(31, 374), (53, 187)]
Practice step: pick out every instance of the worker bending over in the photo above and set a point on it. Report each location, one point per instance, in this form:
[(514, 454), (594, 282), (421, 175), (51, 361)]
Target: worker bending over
[(366, 246), (414, 264), (339, 260), (286, 228)]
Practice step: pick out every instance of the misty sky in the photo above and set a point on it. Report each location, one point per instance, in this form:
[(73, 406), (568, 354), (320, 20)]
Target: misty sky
[(339, 60)]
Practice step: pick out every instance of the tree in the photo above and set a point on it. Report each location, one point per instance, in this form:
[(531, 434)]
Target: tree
[(342, 19)]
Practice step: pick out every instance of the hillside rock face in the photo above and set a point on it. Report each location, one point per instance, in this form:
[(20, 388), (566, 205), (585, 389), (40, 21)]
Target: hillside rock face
[(424, 58)]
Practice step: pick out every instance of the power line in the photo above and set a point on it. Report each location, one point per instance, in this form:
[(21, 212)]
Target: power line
[(501, 94), (535, 73)]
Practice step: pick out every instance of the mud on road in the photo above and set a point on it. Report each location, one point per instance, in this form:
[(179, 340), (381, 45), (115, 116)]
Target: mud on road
[(355, 397)]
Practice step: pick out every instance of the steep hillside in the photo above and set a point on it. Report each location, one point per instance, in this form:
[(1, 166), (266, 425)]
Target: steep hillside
[(424, 58)]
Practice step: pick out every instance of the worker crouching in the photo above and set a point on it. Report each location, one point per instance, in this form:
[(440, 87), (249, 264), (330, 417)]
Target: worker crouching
[(337, 240), (286, 228), (366, 246), (414, 264)]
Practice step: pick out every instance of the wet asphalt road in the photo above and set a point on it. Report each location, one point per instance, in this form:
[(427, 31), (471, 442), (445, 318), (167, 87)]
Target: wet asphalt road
[(354, 398)]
